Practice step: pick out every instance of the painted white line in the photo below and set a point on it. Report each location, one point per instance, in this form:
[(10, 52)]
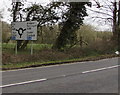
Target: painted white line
[(44, 79), (100, 69), (21, 83)]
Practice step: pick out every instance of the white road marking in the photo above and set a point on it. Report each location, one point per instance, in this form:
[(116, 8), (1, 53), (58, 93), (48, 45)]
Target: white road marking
[(26, 82), (44, 79), (100, 69)]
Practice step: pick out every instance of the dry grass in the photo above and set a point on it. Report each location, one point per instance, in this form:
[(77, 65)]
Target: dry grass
[(46, 55), (103, 46), (98, 47), (41, 56)]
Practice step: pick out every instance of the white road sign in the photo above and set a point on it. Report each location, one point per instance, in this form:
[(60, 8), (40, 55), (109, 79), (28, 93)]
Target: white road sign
[(24, 30)]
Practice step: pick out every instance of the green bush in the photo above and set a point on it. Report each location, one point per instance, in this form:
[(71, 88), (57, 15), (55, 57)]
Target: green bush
[(6, 32)]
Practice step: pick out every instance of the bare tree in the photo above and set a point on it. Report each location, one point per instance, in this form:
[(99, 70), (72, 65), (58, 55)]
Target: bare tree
[(105, 11)]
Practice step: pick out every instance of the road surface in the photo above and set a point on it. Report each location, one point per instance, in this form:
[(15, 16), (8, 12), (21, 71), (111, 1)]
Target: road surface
[(81, 77)]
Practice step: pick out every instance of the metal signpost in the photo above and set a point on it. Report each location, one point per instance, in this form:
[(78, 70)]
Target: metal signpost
[(24, 31)]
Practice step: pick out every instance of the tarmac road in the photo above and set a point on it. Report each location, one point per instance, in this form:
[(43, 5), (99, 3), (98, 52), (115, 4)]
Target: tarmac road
[(81, 77)]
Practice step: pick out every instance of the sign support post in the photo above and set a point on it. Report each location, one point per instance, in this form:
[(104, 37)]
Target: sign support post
[(24, 31)]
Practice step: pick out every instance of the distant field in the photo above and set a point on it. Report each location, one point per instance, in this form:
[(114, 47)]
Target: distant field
[(11, 46), (36, 46)]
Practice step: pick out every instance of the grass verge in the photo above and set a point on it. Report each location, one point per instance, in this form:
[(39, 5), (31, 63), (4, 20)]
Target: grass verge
[(38, 64)]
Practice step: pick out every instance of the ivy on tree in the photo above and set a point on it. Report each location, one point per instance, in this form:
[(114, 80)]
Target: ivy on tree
[(73, 19)]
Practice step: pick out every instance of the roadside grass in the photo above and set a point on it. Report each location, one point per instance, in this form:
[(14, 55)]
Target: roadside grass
[(38, 64), (43, 55)]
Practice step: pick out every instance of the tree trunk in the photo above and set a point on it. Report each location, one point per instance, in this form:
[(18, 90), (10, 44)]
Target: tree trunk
[(14, 20), (114, 20), (118, 32), (24, 44), (14, 12), (19, 43)]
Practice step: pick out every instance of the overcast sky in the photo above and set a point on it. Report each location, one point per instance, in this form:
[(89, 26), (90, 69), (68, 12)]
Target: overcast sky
[(5, 4)]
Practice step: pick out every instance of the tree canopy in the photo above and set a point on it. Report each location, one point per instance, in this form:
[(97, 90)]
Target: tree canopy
[(68, 15), (74, 18)]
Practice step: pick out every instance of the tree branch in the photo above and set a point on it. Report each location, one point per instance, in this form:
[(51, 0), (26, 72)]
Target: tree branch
[(100, 12)]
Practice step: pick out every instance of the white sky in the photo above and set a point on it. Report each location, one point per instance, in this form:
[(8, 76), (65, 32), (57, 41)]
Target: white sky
[(5, 4)]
